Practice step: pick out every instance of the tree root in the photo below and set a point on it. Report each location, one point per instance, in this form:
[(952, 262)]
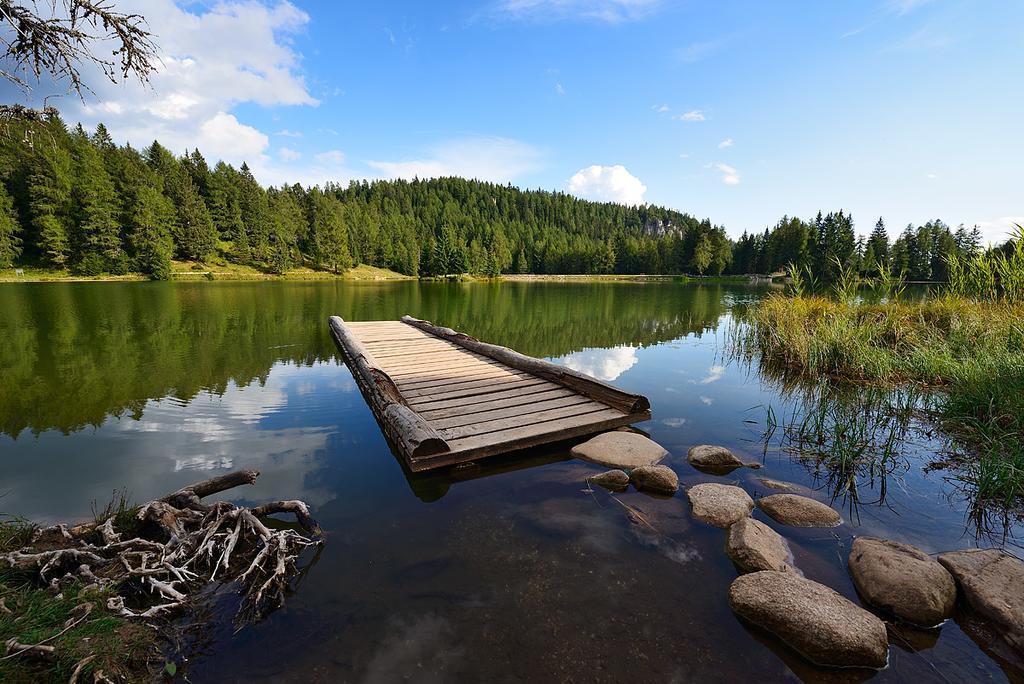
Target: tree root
[(183, 544)]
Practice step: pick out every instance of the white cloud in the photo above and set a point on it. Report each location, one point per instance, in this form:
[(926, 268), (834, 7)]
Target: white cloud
[(608, 11), (715, 374), (998, 230), (673, 422), (730, 176), (607, 184), (213, 58), (707, 401), (559, 89), (603, 364), (481, 157), (288, 154), (222, 136), (692, 115), (684, 155), (661, 109), (331, 157), (285, 133), (725, 143)]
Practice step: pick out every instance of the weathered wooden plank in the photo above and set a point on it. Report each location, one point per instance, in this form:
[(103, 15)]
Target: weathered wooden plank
[(478, 385), (498, 425), (455, 378), (466, 403), (448, 366), (486, 388), (521, 410), (452, 359), (449, 372)]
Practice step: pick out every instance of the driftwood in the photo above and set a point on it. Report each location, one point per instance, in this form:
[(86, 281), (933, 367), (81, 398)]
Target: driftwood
[(402, 424), (182, 544), (578, 382)]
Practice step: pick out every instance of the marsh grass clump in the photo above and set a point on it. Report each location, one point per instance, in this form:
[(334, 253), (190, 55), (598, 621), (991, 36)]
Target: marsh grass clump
[(968, 347), (848, 437)]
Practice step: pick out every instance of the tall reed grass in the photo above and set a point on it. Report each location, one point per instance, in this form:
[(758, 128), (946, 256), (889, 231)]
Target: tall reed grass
[(967, 341)]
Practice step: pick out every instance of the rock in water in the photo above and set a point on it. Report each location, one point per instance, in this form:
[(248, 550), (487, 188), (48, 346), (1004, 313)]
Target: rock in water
[(902, 580), (798, 511), (754, 546), (824, 627), (655, 478), (713, 458), (612, 479), (992, 581), (719, 504), (774, 484), (620, 450)]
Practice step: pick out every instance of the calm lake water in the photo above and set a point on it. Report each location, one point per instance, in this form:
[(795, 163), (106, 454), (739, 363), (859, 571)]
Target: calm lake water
[(512, 571)]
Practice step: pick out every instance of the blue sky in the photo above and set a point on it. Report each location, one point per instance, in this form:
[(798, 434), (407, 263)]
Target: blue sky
[(738, 111)]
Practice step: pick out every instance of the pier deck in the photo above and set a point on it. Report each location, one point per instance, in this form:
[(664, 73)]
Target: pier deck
[(443, 397)]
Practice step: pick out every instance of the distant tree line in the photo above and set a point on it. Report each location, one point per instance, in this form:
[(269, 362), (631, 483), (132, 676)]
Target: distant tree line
[(826, 243), (74, 200)]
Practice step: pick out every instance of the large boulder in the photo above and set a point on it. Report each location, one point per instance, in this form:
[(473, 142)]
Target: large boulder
[(992, 582), (655, 478), (620, 450), (754, 546), (719, 504), (798, 511), (902, 580), (814, 620), (716, 459)]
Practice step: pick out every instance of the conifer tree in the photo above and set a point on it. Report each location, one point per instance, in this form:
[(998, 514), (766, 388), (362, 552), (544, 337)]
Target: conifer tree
[(10, 241), (50, 200), (152, 224), (194, 235), (98, 247)]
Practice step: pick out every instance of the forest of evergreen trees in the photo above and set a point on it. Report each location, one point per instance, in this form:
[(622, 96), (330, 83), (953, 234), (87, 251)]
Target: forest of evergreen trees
[(77, 201), (919, 253)]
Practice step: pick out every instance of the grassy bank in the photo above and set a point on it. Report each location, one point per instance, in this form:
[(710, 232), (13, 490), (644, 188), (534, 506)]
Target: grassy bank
[(75, 623), (188, 270), (181, 270), (972, 350), (614, 277)]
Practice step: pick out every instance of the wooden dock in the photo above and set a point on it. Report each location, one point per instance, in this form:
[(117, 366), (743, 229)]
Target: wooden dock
[(443, 397)]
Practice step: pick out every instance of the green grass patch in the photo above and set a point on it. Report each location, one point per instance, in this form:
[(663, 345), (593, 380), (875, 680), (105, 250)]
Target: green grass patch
[(75, 622)]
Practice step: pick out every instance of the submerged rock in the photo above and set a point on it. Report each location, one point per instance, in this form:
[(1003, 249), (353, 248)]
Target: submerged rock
[(902, 580), (655, 478), (620, 450), (799, 511), (713, 458), (992, 582), (774, 484), (754, 546), (719, 504), (817, 622), (612, 479)]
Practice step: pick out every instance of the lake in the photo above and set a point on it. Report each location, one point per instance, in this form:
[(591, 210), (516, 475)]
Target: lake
[(513, 570)]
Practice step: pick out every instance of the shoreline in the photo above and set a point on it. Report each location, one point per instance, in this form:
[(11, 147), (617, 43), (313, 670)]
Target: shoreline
[(361, 273)]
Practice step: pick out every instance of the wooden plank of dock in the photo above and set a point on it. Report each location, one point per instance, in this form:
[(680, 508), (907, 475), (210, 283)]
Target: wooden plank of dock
[(444, 398)]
